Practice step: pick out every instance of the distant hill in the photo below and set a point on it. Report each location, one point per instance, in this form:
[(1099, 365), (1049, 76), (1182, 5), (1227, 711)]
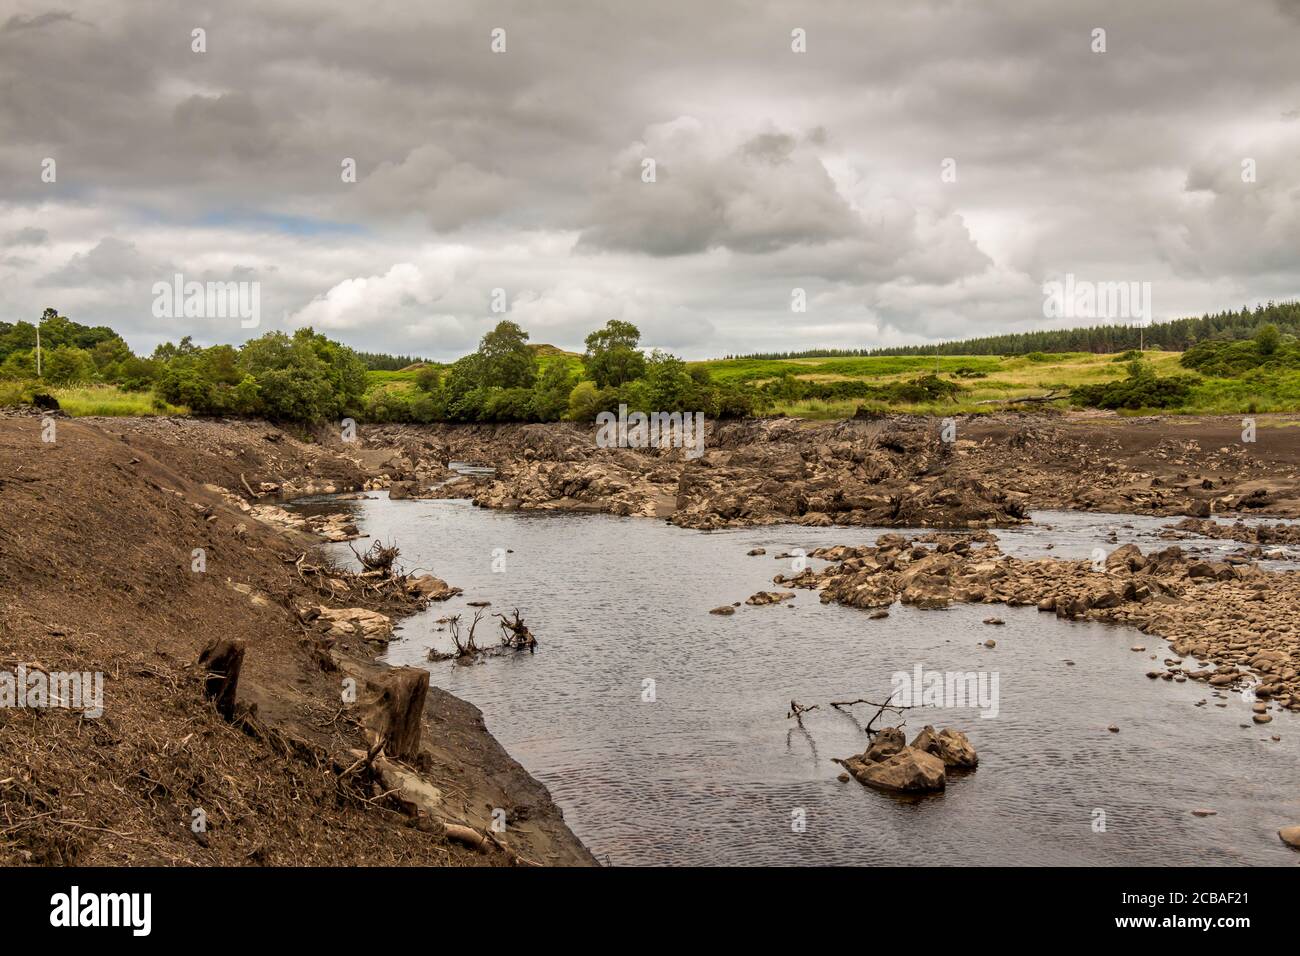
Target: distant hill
[(542, 349)]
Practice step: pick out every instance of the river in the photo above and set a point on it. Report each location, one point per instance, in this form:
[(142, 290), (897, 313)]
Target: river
[(711, 771)]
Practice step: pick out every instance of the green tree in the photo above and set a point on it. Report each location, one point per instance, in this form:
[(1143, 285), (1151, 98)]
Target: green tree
[(550, 400), (1267, 339), (67, 365), (507, 361), (612, 356)]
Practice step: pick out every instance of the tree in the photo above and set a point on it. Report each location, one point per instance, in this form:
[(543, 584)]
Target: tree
[(612, 356), (550, 400), (68, 365), (1267, 339), (507, 361)]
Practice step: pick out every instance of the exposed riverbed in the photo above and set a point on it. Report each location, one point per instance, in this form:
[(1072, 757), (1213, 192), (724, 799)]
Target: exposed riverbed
[(711, 771)]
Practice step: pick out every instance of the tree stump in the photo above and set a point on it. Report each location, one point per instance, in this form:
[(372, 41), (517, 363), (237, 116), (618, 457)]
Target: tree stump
[(394, 715), (221, 661)]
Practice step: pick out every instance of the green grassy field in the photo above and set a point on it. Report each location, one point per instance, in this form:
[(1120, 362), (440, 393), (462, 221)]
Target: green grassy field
[(981, 378)]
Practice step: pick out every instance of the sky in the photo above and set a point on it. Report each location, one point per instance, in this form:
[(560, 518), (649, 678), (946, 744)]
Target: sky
[(911, 172)]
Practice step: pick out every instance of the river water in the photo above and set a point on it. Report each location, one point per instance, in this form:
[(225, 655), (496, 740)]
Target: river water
[(710, 771)]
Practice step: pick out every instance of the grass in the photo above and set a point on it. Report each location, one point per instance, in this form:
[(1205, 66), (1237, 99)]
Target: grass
[(1002, 378), (1257, 391), (109, 400)]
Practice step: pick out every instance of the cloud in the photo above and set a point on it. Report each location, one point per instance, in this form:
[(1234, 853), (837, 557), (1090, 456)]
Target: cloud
[(111, 261), (754, 195), (433, 184), (27, 236), (774, 170)]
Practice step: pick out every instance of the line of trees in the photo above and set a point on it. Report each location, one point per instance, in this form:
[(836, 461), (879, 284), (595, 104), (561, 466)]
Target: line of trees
[(505, 381), (1176, 336), (307, 377)]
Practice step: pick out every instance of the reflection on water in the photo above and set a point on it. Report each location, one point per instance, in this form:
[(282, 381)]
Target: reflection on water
[(711, 771)]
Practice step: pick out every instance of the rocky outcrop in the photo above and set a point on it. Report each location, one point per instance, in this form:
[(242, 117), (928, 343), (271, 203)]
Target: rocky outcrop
[(907, 771), (1261, 534), (1241, 623)]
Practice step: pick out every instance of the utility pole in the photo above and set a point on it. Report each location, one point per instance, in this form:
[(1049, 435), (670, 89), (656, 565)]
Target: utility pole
[(38, 345)]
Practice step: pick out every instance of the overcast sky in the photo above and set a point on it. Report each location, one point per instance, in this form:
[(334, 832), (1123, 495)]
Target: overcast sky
[(523, 170)]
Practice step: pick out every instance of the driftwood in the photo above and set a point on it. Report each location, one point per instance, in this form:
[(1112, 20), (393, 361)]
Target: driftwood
[(515, 633), (1051, 396), (797, 710), (221, 661), (393, 717), (378, 561), (888, 705), (466, 647)]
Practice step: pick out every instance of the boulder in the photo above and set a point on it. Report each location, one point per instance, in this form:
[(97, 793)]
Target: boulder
[(887, 743), (908, 771), (357, 622), (769, 597), (951, 746), (399, 490), (430, 588)]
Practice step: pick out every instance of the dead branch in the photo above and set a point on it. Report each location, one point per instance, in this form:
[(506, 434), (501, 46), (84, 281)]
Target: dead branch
[(466, 647), (378, 561), (888, 705), (1051, 396), (515, 634), (797, 710)]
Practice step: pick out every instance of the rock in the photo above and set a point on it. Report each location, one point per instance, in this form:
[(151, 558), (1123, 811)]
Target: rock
[(399, 490), (724, 609), (887, 743), (1113, 729), (844, 778), (1290, 836), (357, 622), (431, 588), (877, 615), (908, 771), (754, 552), (990, 643), (1261, 718), (769, 597), (1204, 813), (994, 620), (951, 746)]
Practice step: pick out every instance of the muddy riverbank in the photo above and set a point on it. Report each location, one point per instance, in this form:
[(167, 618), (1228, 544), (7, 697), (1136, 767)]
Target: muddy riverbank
[(125, 551)]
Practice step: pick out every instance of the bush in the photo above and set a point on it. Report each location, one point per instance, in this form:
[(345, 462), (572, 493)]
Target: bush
[(1141, 389)]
